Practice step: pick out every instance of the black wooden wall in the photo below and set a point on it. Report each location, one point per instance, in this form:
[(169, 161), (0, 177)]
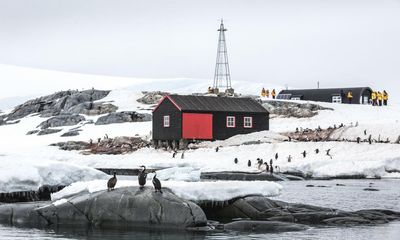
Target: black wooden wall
[(174, 132)]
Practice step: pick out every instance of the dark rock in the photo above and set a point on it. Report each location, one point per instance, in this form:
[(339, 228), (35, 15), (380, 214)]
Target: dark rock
[(91, 109), (310, 185), (70, 133), (32, 132), (371, 189), (339, 184), (61, 120), (55, 104), (72, 145), (152, 97), (347, 221), (291, 109), (123, 207), (121, 117), (264, 226), (48, 131)]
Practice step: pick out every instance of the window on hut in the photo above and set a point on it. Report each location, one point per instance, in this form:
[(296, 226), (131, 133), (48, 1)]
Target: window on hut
[(248, 122), (230, 121), (166, 121)]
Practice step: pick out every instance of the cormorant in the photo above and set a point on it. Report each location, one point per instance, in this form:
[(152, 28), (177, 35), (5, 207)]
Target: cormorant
[(156, 183), (304, 153), (249, 163), (112, 182), (142, 177), (236, 160)]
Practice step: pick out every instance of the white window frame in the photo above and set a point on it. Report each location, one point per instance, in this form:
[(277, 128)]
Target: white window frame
[(230, 121), (248, 122), (295, 98), (166, 121), (336, 99)]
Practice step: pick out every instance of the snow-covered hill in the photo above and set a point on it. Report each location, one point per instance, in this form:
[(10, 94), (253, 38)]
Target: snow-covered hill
[(348, 158)]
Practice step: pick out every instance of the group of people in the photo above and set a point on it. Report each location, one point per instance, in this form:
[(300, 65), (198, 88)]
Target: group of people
[(266, 93), (379, 98)]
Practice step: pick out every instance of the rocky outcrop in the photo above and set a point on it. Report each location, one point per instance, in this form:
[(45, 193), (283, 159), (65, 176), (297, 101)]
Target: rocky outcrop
[(61, 120), (123, 207), (264, 209), (92, 109), (48, 131), (291, 109), (121, 117), (56, 104), (152, 97), (71, 133), (118, 145), (42, 194)]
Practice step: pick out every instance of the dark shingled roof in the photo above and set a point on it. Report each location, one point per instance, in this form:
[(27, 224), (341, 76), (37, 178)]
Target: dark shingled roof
[(217, 104)]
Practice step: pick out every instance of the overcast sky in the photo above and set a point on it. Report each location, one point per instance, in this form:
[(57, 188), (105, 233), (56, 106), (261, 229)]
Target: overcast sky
[(340, 43)]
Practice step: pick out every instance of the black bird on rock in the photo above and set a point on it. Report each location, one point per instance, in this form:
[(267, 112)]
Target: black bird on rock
[(236, 161), (156, 183), (142, 177), (249, 163), (112, 182), (266, 167)]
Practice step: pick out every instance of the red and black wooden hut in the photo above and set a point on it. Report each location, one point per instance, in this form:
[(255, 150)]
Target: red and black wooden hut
[(188, 117)]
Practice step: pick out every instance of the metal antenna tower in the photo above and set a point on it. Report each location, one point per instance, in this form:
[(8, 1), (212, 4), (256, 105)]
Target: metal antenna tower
[(222, 77)]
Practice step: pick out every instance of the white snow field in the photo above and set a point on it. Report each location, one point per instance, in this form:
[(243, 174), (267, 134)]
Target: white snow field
[(21, 154), (195, 191)]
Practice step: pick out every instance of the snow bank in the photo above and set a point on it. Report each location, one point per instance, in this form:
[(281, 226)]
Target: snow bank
[(194, 191), (22, 175), (187, 174)]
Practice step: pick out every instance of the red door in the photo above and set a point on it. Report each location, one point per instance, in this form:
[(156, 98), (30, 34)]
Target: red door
[(197, 126)]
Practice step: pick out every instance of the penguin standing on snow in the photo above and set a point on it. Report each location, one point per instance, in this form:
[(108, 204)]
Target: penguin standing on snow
[(317, 151), (142, 177), (266, 167), (276, 156), (328, 153), (112, 182), (156, 183), (249, 163), (174, 154), (236, 161), (183, 155), (289, 159), (216, 149), (304, 153)]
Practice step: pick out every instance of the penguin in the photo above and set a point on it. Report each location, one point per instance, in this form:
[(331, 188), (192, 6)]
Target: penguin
[(289, 138), (276, 156), (174, 154), (289, 159), (183, 155), (90, 142), (216, 149), (304, 153), (260, 163), (271, 169), (236, 161), (328, 153), (270, 162), (156, 183), (112, 182), (142, 177), (249, 163), (317, 151), (266, 167), (358, 140), (365, 132), (278, 169)]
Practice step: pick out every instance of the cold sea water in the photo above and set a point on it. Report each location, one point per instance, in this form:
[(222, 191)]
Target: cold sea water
[(343, 194)]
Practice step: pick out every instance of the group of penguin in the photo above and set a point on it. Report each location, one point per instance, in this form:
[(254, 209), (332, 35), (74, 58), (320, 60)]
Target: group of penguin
[(142, 177)]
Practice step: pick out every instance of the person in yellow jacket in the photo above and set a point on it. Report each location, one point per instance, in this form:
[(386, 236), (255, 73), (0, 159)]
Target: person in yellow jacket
[(373, 98), (379, 96), (263, 92), (267, 93), (385, 97), (350, 96), (273, 93)]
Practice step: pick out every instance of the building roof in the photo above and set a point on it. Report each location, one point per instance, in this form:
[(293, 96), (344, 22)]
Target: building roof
[(216, 104), (321, 93)]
